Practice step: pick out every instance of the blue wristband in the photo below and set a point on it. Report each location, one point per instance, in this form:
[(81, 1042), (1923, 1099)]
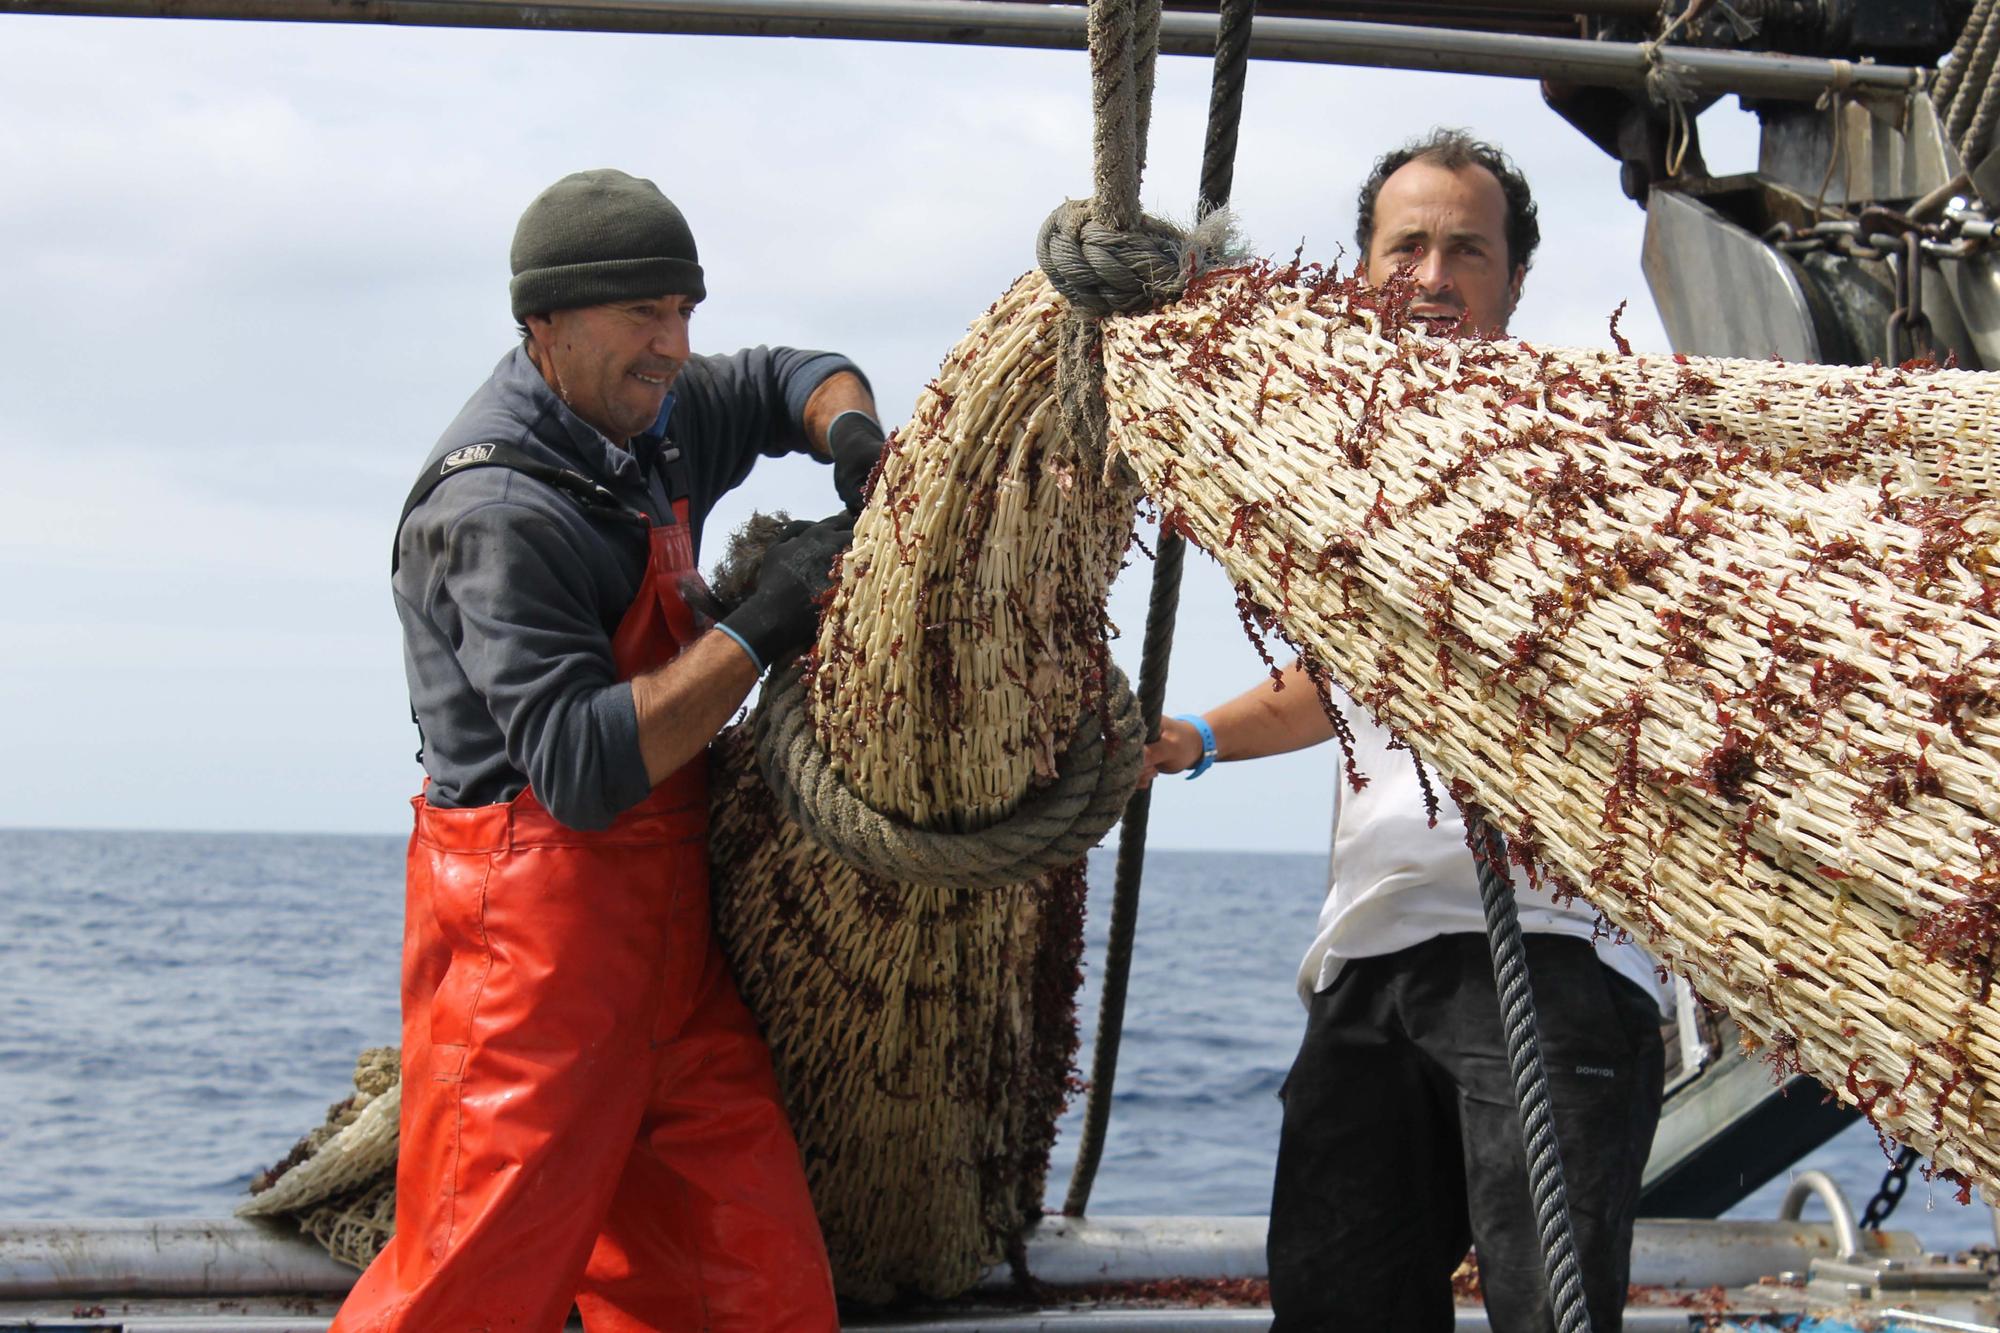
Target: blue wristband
[(744, 644), (1207, 733)]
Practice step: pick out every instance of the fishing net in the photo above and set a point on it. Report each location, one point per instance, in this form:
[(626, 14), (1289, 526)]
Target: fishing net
[(338, 1183), (355, 1226), (922, 1030), (1714, 642), (355, 1146)]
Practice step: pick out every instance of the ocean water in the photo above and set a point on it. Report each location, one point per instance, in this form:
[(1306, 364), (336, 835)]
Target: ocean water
[(176, 1008)]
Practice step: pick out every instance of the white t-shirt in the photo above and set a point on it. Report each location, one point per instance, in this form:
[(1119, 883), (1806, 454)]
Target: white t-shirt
[(1394, 881)]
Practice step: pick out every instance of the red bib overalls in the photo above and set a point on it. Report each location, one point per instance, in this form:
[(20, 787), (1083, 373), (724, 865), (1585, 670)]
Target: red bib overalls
[(589, 1113)]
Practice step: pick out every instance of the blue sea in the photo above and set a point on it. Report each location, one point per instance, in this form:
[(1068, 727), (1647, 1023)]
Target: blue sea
[(177, 1008)]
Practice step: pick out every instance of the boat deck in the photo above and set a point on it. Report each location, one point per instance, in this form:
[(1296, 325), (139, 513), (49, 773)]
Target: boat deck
[(1138, 1275)]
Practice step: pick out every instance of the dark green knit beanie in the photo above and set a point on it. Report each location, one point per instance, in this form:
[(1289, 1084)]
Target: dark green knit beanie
[(600, 236)]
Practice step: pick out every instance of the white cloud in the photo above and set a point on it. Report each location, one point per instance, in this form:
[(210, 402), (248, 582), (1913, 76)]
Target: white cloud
[(253, 270)]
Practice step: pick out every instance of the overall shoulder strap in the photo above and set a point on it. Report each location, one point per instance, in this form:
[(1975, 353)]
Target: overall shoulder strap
[(589, 494)]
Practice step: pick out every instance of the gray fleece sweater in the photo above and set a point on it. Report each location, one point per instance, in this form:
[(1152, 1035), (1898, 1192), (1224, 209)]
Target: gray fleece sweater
[(509, 590)]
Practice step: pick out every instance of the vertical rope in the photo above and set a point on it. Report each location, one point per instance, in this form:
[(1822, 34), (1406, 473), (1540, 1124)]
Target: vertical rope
[(1225, 105), (1952, 78), (1978, 72), (1218, 164), (1117, 132), (1531, 1085)]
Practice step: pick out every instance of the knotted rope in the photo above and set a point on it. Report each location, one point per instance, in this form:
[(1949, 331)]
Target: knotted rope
[(1669, 87), (1105, 256), (1051, 827)]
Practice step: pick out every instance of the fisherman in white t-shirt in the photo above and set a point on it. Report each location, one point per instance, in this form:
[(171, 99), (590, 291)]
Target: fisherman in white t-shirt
[(1402, 1141)]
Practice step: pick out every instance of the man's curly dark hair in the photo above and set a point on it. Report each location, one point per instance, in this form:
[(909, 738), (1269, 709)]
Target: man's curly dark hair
[(1455, 150)]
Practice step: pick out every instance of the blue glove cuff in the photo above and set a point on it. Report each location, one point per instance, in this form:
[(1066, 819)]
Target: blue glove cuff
[(744, 644), (1207, 734)]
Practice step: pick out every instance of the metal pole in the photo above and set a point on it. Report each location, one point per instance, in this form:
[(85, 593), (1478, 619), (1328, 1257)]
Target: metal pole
[(1000, 23)]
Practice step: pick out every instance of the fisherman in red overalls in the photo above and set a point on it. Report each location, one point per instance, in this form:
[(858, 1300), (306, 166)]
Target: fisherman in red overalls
[(589, 1114)]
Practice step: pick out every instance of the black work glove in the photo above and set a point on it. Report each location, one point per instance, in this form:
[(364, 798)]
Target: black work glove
[(781, 615), (855, 440)]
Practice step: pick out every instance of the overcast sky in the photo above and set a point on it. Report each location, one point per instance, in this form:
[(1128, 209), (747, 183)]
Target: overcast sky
[(251, 271)]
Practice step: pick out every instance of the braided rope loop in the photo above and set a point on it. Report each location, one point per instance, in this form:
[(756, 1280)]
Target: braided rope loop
[(1053, 826)]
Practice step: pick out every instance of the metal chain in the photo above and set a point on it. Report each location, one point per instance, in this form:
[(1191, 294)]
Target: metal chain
[(1894, 1181), (1877, 233), (1909, 330)]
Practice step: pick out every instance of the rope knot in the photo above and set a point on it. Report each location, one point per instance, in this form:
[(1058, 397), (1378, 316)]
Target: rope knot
[(1105, 272)]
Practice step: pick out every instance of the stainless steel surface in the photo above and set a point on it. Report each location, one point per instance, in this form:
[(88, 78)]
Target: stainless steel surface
[(233, 1258), (1819, 1185), (1067, 1251), (1721, 291), (1696, 1253), (995, 23), (162, 1257), (1873, 160), (1973, 285), (1918, 1319), (1725, 1087)]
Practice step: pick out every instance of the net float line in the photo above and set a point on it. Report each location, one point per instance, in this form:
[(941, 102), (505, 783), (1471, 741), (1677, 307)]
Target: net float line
[(1748, 712)]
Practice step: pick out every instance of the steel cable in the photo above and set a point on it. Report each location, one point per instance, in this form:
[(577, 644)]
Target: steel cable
[(1531, 1086)]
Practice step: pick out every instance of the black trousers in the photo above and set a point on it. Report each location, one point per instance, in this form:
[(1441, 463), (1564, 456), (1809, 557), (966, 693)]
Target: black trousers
[(1402, 1143)]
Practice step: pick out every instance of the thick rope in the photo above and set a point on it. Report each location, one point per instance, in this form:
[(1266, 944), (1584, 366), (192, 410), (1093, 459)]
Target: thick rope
[(1952, 77), (1218, 167), (1051, 827), (1531, 1086), (1978, 141), (1105, 270), (1106, 256), (1972, 90)]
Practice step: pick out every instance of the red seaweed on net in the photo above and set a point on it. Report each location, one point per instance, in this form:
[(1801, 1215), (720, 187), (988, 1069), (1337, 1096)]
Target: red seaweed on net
[(1943, 544), (1477, 544), (1241, 522), (1343, 734), (1731, 764), (1965, 932), (1625, 719), (1962, 1183), (1961, 1068), (1863, 1093), (1781, 1054), (1959, 698), (1618, 339), (1252, 615)]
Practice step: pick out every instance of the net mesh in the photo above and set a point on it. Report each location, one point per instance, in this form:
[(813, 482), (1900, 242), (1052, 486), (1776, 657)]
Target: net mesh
[(355, 1145), (1714, 642), (923, 1035)]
